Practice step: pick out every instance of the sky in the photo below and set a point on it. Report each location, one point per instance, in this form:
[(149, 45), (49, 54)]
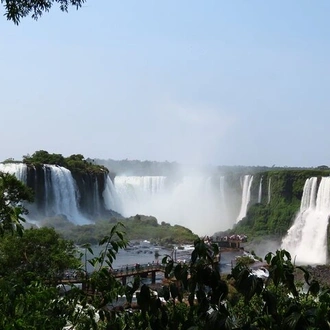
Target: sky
[(197, 82)]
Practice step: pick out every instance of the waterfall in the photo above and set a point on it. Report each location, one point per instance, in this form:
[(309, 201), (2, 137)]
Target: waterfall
[(60, 184), (269, 191), (260, 190), (246, 194), (196, 202), (110, 197), (135, 192), (307, 238), (96, 198), (18, 169)]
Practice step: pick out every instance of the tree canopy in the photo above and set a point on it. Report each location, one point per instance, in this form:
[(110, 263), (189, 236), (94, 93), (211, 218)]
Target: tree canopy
[(75, 163), (12, 193), (15, 10), (40, 252)]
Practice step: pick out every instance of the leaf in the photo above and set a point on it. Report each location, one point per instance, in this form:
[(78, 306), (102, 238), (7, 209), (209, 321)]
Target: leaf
[(193, 256), (314, 288), (292, 320), (306, 273), (270, 302), (174, 290), (166, 292), (177, 271), (143, 298), (268, 257)]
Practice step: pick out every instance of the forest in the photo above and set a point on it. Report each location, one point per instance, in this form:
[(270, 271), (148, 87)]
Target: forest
[(195, 296)]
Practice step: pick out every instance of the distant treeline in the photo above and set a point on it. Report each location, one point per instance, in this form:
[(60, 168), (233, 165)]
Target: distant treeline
[(147, 167)]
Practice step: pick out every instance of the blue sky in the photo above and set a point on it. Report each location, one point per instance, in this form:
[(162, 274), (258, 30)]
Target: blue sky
[(212, 82)]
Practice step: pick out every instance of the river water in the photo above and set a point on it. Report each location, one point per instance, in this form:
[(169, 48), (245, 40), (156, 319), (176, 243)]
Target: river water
[(145, 253)]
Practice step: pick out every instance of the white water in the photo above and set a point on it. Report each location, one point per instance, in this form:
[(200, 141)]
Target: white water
[(260, 190), (96, 200), (195, 202), (60, 191), (307, 238), (64, 192), (269, 190), (110, 197), (133, 193), (246, 194), (19, 170)]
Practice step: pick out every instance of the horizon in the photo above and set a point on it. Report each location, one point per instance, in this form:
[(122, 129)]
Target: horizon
[(178, 163)]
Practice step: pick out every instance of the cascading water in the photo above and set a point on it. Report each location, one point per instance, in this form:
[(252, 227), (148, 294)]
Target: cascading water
[(246, 195), (269, 190), (61, 186), (195, 202), (260, 190), (19, 170), (307, 238), (133, 193), (96, 198), (110, 197), (202, 204)]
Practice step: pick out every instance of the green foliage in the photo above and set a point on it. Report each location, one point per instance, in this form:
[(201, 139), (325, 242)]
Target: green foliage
[(138, 227), (245, 260), (33, 306), (15, 10), (196, 296), (40, 254), (276, 217), (12, 193), (75, 163)]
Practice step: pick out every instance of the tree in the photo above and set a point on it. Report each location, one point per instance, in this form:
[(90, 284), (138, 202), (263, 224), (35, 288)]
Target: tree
[(15, 10), (12, 195), (40, 254)]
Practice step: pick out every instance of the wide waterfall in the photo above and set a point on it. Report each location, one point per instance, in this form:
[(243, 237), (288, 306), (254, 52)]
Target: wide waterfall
[(307, 238), (203, 203), (195, 202), (246, 195)]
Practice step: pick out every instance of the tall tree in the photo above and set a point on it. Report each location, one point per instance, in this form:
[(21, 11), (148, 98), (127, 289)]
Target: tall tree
[(15, 10), (12, 193)]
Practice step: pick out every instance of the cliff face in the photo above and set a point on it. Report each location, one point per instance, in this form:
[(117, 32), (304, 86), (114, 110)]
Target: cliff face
[(59, 191), (90, 187), (275, 200), (267, 205)]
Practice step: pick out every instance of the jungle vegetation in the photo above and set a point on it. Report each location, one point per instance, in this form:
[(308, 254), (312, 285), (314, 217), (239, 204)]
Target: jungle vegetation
[(195, 295), (274, 215), (75, 163), (138, 227)]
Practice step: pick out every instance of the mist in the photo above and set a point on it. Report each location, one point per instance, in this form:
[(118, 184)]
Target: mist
[(196, 200)]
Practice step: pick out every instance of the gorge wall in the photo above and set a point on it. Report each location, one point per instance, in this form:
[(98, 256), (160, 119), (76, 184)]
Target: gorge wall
[(249, 201), (58, 191)]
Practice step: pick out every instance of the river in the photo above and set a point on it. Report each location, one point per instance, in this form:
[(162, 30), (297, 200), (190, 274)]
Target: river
[(145, 253)]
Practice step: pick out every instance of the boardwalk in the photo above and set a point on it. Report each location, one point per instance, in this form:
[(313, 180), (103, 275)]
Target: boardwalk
[(122, 273)]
